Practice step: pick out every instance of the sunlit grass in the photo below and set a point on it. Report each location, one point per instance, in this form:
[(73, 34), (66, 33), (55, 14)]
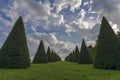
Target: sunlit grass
[(59, 71)]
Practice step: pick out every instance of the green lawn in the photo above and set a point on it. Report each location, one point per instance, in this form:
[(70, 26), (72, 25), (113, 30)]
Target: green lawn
[(59, 71)]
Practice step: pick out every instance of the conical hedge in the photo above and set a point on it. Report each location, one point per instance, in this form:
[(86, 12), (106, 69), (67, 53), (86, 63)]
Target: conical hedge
[(40, 56), (56, 57), (51, 54), (108, 52), (49, 58), (14, 52), (76, 54), (84, 57), (68, 58), (71, 57)]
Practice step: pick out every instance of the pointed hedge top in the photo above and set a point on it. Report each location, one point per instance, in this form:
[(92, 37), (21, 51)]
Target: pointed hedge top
[(83, 42), (76, 46), (41, 47), (105, 24), (48, 48), (105, 21), (104, 18), (19, 20), (41, 43), (106, 29), (14, 52), (84, 57)]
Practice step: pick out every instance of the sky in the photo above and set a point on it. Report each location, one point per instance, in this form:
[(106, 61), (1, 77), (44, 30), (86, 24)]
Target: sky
[(61, 24)]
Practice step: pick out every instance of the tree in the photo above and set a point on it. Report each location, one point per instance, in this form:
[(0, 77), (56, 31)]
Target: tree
[(90, 46), (14, 52), (49, 55), (76, 54), (84, 57), (67, 58), (40, 56), (58, 58), (92, 51), (71, 57), (54, 57), (108, 52)]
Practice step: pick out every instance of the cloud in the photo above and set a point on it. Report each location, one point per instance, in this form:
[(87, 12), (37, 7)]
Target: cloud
[(61, 24), (72, 27), (56, 19), (34, 13), (61, 47), (61, 4), (87, 30), (35, 8), (28, 8), (82, 13), (108, 8), (80, 24), (93, 43), (4, 22)]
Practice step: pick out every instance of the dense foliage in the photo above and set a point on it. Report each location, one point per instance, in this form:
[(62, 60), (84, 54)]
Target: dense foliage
[(108, 52), (73, 56), (49, 57), (84, 56), (40, 56), (92, 51), (52, 56), (43, 57), (14, 52)]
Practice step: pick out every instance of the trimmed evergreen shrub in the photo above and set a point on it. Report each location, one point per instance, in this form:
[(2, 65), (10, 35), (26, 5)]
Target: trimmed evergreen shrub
[(108, 52), (92, 51), (40, 56), (14, 52), (84, 57), (70, 57), (57, 57), (76, 54), (49, 58), (67, 58)]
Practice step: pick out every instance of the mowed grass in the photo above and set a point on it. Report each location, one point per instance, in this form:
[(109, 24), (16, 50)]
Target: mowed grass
[(59, 71)]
